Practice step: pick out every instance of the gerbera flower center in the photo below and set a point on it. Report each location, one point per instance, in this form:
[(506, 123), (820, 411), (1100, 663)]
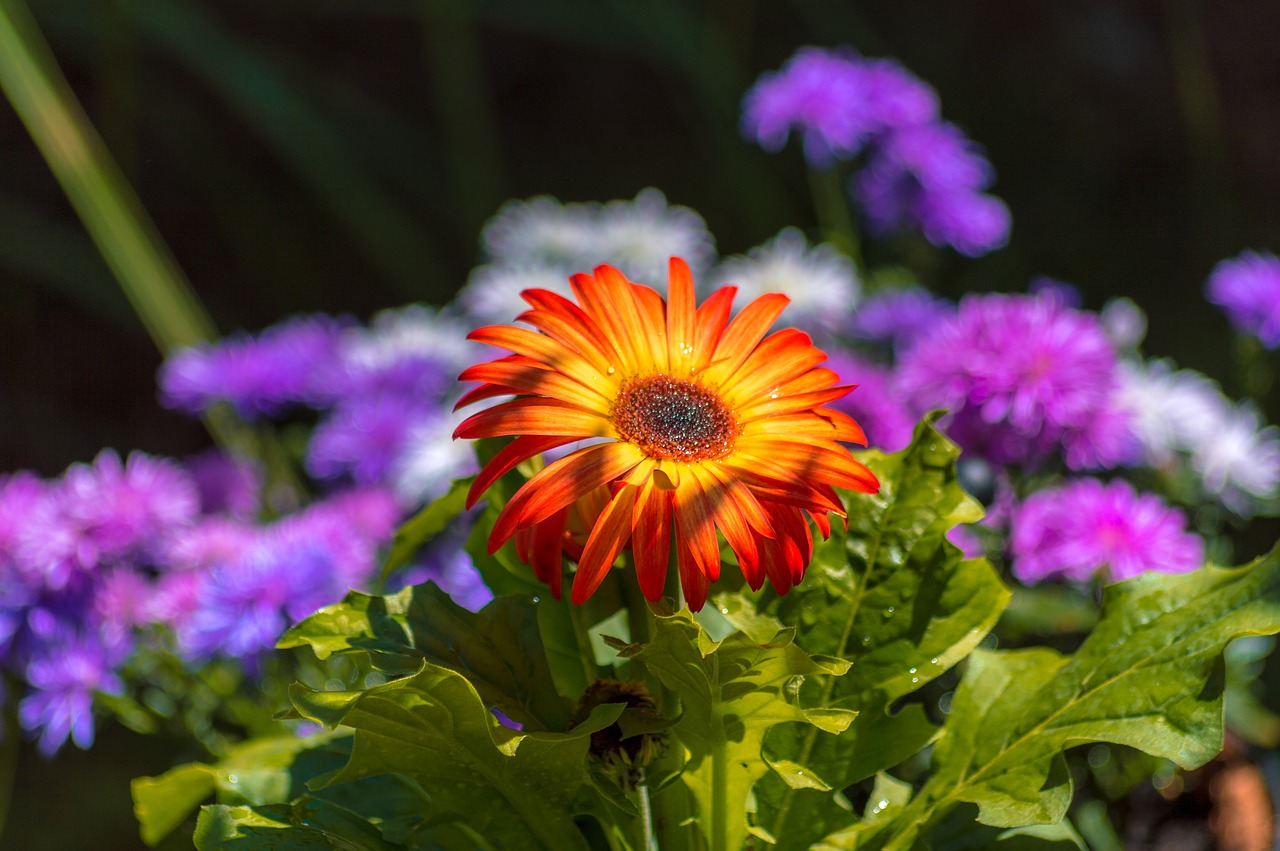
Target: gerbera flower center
[(673, 419)]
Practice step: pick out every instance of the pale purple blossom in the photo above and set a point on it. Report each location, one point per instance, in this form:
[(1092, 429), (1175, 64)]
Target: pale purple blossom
[(227, 485), (1089, 528), (931, 176), (284, 365), (363, 437), (64, 675), (1023, 377), (835, 100), (896, 317), (1247, 288)]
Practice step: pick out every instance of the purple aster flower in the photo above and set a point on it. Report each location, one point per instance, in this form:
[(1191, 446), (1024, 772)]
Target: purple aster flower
[(875, 404), (931, 176), (364, 436), (64, 675), (106, 512), (445, 561), (352, 526), (260, 375), (1247, 288), (20, 497), (897, 316), (226, 485), (1021, 376), (836, 100), (1088, 527), (122, 600), (244, 606)]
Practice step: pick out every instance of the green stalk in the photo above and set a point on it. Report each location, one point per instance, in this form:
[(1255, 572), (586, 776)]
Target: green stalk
[(719, 797), (107, 206), (148, 274), (834, 218), (640, 796)]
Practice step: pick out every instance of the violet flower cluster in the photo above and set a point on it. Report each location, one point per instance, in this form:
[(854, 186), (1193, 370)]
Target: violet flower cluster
[(1247, 288), (93, 562), (920, 171)]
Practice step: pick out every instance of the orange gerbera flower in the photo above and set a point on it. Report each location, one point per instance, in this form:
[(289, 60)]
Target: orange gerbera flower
[(711, 426)]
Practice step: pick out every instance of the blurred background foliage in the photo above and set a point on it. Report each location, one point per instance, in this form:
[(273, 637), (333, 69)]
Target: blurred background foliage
[(341, 155)]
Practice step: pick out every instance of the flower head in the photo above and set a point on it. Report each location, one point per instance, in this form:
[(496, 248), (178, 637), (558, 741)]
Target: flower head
[(896, 317), (1088, 527), (836, 100), (64, 675), (1247, 288), (709, 425), (260, 375), (1023, 376), (820, 281)]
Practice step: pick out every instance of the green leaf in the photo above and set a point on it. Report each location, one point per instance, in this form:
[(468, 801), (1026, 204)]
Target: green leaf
[(308, 823), (732, 693), (259, 771), (418, 530), (498, 648), (1149, 676), (515, 789), (900, 602)]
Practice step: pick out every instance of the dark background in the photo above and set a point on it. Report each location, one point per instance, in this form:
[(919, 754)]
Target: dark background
[(341, 155)]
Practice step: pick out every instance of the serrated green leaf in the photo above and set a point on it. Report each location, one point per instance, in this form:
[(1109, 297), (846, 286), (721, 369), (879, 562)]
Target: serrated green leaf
[(418, 530), (1149, 676), (902, 604), (732, 693), (514, 789), (499, 648), (259, 771), (308, 823)]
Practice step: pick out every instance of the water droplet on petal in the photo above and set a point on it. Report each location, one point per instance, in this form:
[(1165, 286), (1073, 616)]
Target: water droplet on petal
[(611, 370)]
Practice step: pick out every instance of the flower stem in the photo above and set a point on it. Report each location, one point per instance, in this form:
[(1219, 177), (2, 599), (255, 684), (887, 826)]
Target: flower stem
[(832, 207), (719, 797), (646, 840)]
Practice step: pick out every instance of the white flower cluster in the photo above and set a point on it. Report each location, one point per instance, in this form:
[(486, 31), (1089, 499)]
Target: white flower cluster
[(821, 282), (1180, 413), (541, 242)]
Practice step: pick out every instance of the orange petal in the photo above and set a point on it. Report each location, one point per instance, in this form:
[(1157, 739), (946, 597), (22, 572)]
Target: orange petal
[(741, 497), (829, 465), (547, 551), (786, 403), (560, 484), (772, 483), (695, 523), (529, 377), (821, 423), (598, 295), (780, 358), (541, 348), (681, 307), (608, 537), (745, 331), (528, 415), (651, 539), (693, 581), (708, 325), (729, 518), (519, 450)]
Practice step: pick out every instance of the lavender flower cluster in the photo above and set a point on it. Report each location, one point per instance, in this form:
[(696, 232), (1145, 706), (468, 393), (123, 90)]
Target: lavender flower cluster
[(119, 556), (919, 172)]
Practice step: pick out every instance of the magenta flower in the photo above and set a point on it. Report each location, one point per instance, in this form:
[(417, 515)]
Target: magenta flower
[(1087, 528), (874, 403), (1247, 288), (226, 485), (1023, 376), (106, 512)]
